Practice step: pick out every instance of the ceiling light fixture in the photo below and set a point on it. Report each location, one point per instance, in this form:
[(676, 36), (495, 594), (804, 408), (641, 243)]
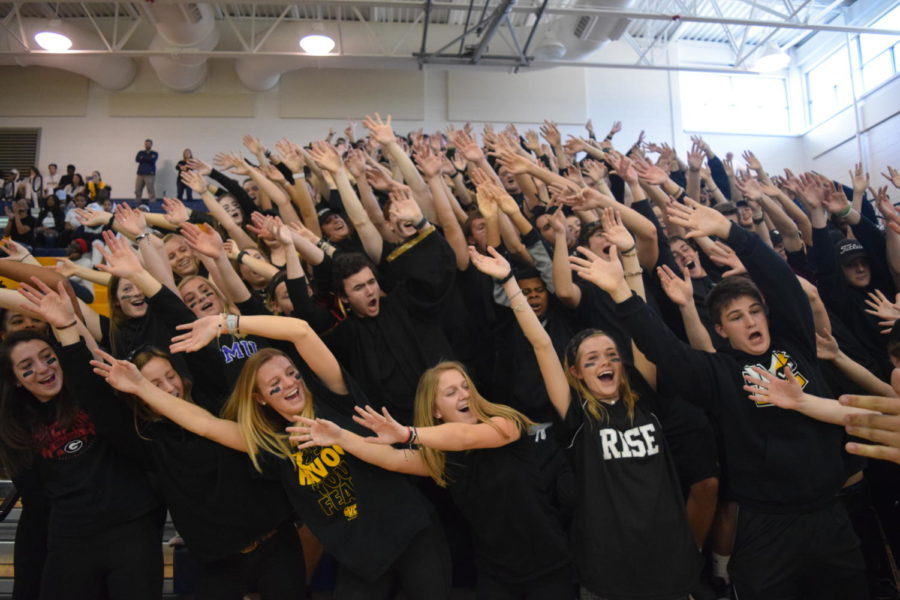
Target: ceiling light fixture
[(771, 58), (51, 39), (317, 44)]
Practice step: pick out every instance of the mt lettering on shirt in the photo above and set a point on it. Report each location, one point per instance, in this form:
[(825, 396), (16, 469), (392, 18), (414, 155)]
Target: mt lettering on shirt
[(778, 360), (239, 349), (326, 474), (636, 442)]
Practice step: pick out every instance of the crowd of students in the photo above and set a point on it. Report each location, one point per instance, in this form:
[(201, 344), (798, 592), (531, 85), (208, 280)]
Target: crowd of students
[(591, 372)]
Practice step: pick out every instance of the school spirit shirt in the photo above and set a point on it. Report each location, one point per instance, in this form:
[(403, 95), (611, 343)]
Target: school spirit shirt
[(363, 515), (630, 534)]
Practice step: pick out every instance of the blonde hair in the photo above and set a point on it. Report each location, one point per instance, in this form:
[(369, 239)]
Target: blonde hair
[(592, 404), (260, 426), (423, 416), (227, 305)]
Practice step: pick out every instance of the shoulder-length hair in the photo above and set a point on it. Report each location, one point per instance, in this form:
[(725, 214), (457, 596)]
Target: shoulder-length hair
[(423, 415), (260, 425), (142, 412), (592, 404), (19, 415)]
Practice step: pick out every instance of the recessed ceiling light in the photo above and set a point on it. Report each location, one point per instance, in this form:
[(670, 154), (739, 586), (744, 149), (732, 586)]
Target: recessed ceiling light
[(316, 44), (52, 41)]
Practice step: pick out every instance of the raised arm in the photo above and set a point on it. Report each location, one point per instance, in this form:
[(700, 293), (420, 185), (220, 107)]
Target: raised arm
[(551, 369), (310, 347)]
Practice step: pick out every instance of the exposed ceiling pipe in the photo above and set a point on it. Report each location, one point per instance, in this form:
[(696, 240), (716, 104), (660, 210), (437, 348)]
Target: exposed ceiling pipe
[(184, 28), (109, 72)]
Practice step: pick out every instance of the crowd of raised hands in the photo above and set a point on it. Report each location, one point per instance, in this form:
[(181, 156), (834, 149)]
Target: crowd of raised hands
[(353, 227)]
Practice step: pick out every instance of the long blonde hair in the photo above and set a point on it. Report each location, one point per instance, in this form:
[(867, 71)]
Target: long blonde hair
[(260, 426), (593, 404), (227, 305), (423, 416)]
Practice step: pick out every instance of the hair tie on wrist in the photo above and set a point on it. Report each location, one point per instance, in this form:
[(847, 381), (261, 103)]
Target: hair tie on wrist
[(421, 224), (240, 256), (506, 278), (72, 324), (844, 212), (629, 251)]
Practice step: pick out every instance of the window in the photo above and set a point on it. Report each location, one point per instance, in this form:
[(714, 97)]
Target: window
[(734, 103), (879, 54), (876, 59), (829, 87)]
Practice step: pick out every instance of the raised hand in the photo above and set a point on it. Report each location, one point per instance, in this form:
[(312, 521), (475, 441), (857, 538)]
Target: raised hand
[(468, 147), (724, 256), (14, 250), (594, 170), (195, 164), (272, 173), (747, 185), (290, 155), (702, 220), (404, 208), (859, 178), (650, 173), (230, 161), (120, 374), (429, 163), (826, 346), (197, 334), (203, 239), (120, 259), (836, 201), (51, 305), (695, 157), (615, 128), (701, 144), (680, 290), (232, 250), (575, 144), (176, 211), (494, 265), (532, 142), (751, 160), (194, 180), (584, 199), (326, 156), (887, 210), (379, 180), (614, 231), (355, 162), (387, 430), (132, 222), (515, 163), (625, 169), (550, 132), (882, 426), (310, 433), (606, 274), (880, 306), (768, 387), (91, 218), (381, 129), (66, 267), (893, 175)]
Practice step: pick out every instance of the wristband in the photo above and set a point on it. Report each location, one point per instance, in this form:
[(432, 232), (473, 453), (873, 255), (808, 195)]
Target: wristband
[(240, 256), (634, 273), (506, 278), (141, 237), (72, 324), (629, 251), (321, 243), (421, 224), (231, 324), (759, 221), (844, 212)]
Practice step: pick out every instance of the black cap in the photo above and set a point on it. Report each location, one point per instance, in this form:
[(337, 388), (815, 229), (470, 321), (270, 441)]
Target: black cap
[(726, 208), (742, 204), (325, 214), (849, 249)]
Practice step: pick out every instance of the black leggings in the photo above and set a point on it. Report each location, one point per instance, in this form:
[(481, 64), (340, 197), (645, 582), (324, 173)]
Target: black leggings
[(275, 569), (123, 562), (422, 572), (30, 551)]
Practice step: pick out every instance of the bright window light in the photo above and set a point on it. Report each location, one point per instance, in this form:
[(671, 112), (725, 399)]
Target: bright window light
[(52, 41), (317, 44), (714, 102)]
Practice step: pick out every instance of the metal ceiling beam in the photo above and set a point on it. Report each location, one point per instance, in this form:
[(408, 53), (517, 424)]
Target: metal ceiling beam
[(501, 13)]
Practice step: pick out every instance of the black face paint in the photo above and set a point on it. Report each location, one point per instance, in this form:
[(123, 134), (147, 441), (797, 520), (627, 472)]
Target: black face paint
[(28, 373), (274, 390), (50, 361)]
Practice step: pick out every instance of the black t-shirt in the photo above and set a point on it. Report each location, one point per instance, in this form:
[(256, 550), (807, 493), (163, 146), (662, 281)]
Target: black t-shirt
[(363, 515), (218, 502), (630, 534), (517, 533)]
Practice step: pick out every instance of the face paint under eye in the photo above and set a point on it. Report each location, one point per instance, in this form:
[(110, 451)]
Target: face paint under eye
[(50, 360), (28, 373), (274, 390), (588, 365)]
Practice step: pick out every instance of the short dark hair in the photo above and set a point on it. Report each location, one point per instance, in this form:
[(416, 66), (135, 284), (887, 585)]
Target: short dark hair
[(70, 167), (347, 265), (728, 290), (53, 165)]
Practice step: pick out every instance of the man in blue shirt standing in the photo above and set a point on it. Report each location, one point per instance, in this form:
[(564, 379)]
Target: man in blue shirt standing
[(146, 172)]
